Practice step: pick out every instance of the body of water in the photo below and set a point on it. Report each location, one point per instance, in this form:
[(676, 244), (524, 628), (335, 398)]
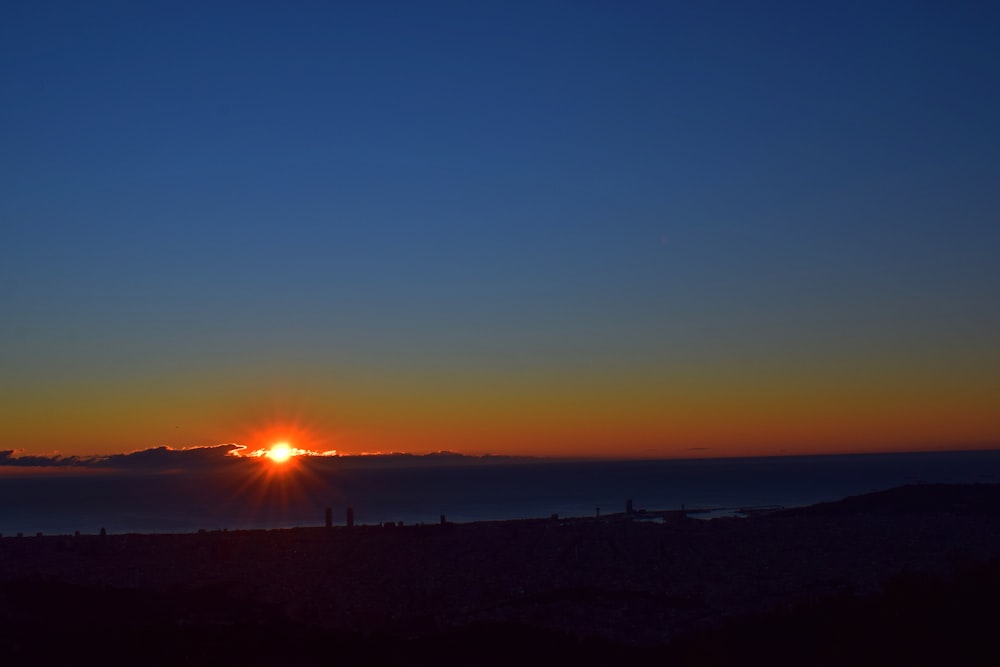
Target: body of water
[(253, 495)]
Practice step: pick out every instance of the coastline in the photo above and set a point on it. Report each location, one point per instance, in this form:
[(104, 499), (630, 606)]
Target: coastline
[(620, 580)]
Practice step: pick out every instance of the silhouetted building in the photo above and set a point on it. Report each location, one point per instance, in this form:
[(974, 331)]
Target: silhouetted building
[(350, 517), (329, 517), (628, 506)]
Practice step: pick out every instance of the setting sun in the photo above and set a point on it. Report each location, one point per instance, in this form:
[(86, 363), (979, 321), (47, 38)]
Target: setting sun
[(280, 452)]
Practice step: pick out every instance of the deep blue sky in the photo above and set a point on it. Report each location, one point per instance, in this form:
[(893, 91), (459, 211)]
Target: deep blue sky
[(476, 200)]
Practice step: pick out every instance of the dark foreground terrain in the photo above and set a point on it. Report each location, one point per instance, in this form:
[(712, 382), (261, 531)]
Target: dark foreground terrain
[(906, 576)]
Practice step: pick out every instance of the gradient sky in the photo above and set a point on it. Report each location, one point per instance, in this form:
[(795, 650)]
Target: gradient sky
[(554, 228)]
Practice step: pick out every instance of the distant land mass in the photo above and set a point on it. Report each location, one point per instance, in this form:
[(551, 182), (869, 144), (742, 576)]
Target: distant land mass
[(834, 583)]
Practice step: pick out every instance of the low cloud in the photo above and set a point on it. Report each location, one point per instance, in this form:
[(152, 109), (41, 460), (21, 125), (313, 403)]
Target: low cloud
[(158, 458), (10, 457), (167, 457), (227, 455)]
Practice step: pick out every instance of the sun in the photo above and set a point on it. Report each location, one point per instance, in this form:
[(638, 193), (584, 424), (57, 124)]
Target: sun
[(280, 452)]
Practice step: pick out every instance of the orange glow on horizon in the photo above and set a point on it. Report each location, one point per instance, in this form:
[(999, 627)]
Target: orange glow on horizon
[(753, 409)]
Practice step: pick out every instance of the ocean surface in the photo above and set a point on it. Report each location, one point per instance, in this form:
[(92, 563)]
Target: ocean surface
[(256, 494)]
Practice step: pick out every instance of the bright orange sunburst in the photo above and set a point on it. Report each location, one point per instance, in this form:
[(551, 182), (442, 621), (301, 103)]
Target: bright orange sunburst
[(280, 452)]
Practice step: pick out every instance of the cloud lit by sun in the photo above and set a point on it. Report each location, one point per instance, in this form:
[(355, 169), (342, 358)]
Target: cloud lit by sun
[(279, 452), (281, 441)]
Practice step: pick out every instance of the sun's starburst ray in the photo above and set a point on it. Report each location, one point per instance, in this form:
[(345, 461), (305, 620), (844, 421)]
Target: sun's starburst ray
[(287, 471)]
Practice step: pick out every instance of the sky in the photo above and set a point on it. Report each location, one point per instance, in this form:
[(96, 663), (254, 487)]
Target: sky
[(635, 229)]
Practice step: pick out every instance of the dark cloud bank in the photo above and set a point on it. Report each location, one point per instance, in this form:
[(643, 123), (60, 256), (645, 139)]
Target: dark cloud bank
[(157, 457), (221, 456)]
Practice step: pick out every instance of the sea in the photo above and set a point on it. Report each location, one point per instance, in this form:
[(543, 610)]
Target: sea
[(420, 490)]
